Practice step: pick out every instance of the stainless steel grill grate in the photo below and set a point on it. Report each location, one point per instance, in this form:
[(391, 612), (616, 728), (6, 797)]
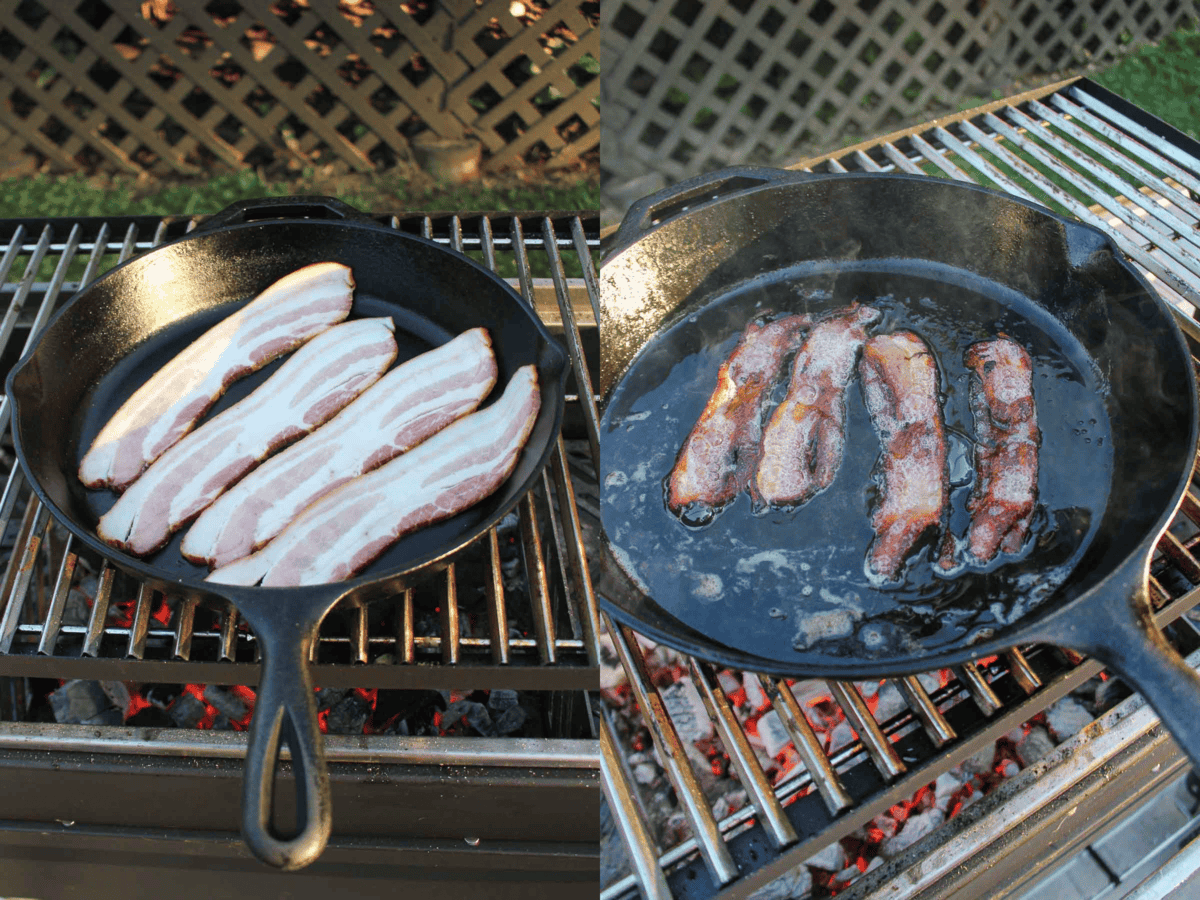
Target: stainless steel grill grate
[(1079, 149), (516, 610)]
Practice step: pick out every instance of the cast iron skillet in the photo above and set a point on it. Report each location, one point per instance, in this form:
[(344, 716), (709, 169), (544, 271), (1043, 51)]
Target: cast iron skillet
[(120, 329), (785, 593)]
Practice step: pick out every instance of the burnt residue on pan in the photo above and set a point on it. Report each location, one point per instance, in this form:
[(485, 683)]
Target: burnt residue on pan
[(796, 578)]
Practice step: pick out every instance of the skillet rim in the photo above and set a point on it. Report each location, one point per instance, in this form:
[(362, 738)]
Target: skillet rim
[(1045, 622)]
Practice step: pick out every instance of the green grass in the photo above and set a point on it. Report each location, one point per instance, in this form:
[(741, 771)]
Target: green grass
[(1163, 79), (77, 195)]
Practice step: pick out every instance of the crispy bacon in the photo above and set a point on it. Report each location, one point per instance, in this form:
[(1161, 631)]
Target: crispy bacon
[(721, 452), (1006, 450), (802, 444), (164, 409), (900, 386), (348, 528), (409, 404), (320, 379)]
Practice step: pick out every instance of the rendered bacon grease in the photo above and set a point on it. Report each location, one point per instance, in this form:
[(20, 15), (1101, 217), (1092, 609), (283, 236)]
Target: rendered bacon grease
[(345, 530), (900, 386), (721, 452), (1006, 450), (802, 444), (799, 451), (409, 404), (309, 388), (291, 311)]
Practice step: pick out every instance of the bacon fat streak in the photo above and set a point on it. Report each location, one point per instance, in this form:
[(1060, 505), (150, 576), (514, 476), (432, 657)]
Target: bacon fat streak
[(409, 404), (346, 529), (721, 452), (312, 386), (900, 386), (164, 409)]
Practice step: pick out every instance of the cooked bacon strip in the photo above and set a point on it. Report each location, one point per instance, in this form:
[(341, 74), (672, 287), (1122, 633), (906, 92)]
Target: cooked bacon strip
[(802, 444), (900, 386), (325, 375), (1006, 450), (719, 455), (345, 530), (412, 402), (165, 408)]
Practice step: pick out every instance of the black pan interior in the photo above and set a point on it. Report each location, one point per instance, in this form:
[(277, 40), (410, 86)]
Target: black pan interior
[(114, 336), (787, 591)]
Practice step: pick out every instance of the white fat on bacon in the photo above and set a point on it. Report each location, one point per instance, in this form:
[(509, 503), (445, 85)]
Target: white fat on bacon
[(345, 530), (312, 386), (412, 402), (291, 311)]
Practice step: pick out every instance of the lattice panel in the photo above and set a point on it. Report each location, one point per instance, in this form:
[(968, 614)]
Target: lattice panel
[(691, 86), (179, 87)]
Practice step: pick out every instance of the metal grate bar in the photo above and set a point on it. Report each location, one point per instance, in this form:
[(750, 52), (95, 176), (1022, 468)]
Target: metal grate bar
[(1129, 127), (535, 565), (36, 519), (977, 685), (874, 740), (58, 600), (407, 637), (95, 625), (141, 623), (622, 800), (227, 651), (939, 730), (1123, 139), (451, 646), (497, 615), (1160, 219), (185, 618), (1080, 135), (579, 364), (705, 830), (359, 644), (580, 572), (750, 773), (807, 745), (1022, 672)]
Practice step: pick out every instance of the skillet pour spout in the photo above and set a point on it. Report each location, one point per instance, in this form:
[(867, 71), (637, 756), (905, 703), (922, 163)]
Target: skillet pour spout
[(784, 592), (120, 329)]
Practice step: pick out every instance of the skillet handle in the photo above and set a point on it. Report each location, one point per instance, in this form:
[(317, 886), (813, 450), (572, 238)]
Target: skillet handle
[(286, 711), (304, 207), (650, 213), (1121, 634)]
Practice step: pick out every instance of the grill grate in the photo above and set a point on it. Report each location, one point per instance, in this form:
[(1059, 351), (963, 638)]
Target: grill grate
[(1072, 146), (515, 610)]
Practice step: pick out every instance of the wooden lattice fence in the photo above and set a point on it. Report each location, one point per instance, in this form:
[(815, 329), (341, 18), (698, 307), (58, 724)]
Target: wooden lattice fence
[(689, 87), (182, 87)]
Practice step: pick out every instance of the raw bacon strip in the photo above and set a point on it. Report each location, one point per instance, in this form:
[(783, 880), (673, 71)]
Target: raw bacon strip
[(802, 444), (410, 403), (720, 454), (325, 375), (345, 530), (164, 409), (1006, 450), (900, 386)]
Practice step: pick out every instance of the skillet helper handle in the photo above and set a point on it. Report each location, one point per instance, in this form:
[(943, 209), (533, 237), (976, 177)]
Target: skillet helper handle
[(286, 710), (646, 215), (1121, 634), (303, 207)]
